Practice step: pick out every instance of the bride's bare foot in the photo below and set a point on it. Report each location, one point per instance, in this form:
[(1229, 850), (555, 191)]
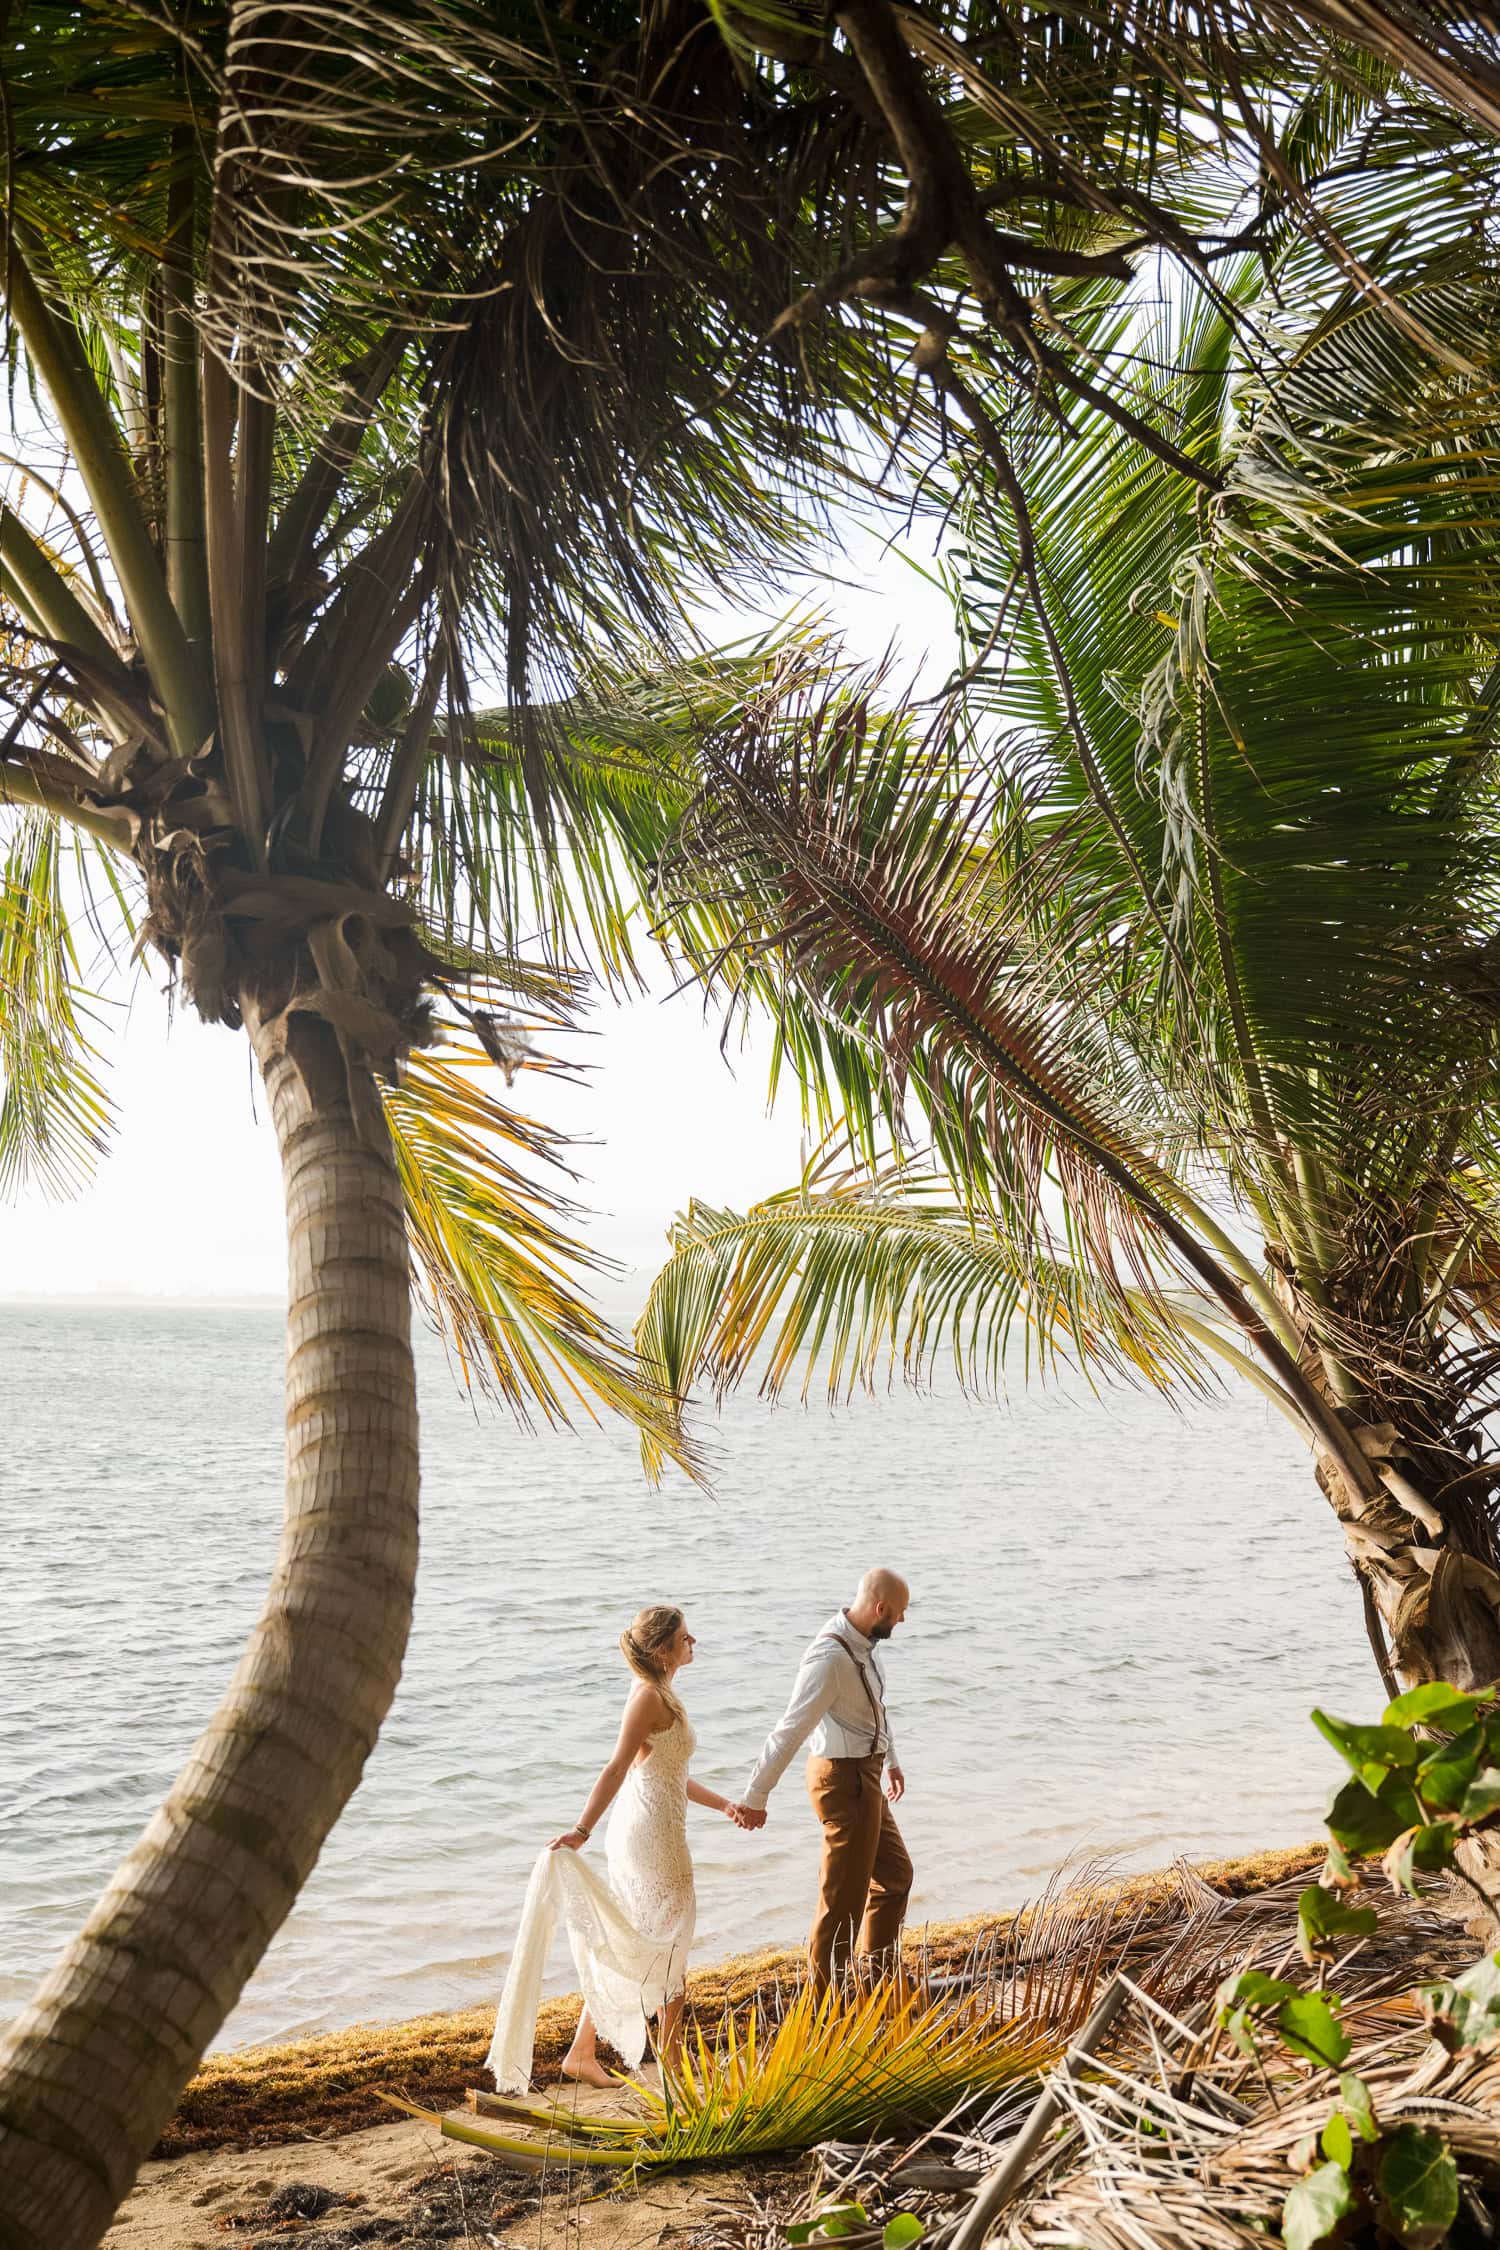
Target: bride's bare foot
[(585, 2070)]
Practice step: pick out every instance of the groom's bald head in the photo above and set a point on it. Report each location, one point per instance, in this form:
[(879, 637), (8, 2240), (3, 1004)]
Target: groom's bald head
[(879, 1603)]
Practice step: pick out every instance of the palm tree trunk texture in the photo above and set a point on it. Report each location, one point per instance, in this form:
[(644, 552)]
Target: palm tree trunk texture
[(1438, 1601), (92, 2070)]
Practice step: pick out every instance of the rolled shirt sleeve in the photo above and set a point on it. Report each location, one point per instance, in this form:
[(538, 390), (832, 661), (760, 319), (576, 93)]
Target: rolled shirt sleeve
[(812, 1693)]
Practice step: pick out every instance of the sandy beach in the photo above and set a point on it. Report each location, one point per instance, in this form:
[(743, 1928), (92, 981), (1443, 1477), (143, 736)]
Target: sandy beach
[(400, 2184)]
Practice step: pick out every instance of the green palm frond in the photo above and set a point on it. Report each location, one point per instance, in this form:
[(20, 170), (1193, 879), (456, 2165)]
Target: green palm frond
[(1286, 704), (610, 770), (1257, 795), (54, 1114), (849, 856), (869, 1275), (497, 1270)]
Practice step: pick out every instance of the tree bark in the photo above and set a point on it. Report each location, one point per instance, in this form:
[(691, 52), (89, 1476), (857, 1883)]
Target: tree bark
[(91, 2071), (1437, 1600), (1437, 1604), (1425, 1558)]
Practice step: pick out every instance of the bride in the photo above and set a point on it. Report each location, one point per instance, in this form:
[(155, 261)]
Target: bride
[(629, 1935)]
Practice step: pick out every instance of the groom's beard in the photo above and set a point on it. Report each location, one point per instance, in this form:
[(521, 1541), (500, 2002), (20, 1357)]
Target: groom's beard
[(881, 1632)]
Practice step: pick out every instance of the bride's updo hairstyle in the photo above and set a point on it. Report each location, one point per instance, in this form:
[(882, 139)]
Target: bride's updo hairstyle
[(641, 1644)]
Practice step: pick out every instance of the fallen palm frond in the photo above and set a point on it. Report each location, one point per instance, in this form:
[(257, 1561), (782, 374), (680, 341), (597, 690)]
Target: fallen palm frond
[(849, 2062), (1169, 2136), (1170, 2151), (948, 2034)]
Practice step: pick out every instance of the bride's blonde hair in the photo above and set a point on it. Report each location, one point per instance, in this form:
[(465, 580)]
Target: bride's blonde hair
[(641, 1644)]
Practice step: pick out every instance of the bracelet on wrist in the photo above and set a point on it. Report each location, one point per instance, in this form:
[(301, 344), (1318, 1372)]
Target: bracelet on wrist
[(580, 1830)]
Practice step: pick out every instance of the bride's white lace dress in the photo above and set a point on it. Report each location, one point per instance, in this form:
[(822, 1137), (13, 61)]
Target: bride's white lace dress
[(630, 1934)]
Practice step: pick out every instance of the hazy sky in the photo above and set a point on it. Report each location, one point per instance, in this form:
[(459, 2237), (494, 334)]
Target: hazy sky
[(188, 1202)]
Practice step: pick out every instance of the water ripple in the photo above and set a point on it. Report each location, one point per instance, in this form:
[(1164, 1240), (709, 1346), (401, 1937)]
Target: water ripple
[(1121, 1617)]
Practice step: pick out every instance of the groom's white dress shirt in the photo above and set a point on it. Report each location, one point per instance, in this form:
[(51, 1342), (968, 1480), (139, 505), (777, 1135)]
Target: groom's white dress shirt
[(830, 1710)]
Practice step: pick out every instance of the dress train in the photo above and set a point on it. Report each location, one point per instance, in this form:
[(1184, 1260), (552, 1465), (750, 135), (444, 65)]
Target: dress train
[(629, 1934)]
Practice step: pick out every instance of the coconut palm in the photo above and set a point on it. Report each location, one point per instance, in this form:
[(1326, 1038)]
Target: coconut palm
[(1166, 956), (319, 329), (346, 345)]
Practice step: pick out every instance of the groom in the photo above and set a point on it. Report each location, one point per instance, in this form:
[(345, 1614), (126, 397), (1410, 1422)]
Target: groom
[(839, 1699)]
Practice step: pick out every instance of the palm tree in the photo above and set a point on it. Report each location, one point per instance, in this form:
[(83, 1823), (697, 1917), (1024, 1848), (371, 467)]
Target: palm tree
[(338, 355), (1164, 961), (346, 345)]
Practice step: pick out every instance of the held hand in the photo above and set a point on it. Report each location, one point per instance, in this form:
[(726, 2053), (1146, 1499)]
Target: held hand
[(895, 1785), (747, 1816), (574, 1841)]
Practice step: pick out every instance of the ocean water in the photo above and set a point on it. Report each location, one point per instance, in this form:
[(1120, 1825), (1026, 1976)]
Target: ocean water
[(1121, 1616)]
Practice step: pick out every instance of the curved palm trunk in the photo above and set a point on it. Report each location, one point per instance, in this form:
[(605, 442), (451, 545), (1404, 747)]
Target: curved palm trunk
[(90, 2073)]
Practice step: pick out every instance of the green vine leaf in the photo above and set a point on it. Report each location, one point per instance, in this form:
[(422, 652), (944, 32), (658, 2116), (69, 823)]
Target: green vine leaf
[(1363, 1819), (1356, 2096), (1322, 1917), (1481, 1798), (1463, 2013), (1433, 1704), (1315, 2206), (1419, 2187), (1309, 2027), (1336, 2140)]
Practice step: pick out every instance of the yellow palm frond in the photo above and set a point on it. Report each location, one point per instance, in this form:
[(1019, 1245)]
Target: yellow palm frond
[(839, 2066), (55, 1117), (495, 1266)]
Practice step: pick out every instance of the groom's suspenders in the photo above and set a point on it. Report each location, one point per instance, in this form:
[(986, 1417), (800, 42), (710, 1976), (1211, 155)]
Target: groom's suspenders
[(875, 1703)]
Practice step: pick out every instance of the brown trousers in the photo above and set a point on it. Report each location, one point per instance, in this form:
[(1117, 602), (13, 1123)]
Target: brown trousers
[(865, 1879)]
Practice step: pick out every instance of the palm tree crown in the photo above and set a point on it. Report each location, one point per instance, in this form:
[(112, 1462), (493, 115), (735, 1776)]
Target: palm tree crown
[(1178, 941)]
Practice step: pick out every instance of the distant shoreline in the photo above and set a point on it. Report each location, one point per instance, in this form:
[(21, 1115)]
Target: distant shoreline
[(124, 1301), (620, 1300), (254, 2097)]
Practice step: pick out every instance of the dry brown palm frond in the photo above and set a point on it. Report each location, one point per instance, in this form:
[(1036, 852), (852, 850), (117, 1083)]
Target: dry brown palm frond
[(1173, 2139), (1168, 2138)]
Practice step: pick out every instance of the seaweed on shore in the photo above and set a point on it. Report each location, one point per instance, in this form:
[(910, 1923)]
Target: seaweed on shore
[(452, 2203)]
